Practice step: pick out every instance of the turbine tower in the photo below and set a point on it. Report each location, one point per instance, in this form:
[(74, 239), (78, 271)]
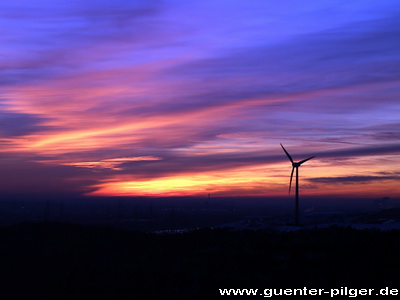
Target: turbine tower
[(295, 165)]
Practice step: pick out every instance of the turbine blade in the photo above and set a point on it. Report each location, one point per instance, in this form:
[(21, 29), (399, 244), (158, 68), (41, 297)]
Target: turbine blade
[(287, 153), (304, 160), (291, 177)]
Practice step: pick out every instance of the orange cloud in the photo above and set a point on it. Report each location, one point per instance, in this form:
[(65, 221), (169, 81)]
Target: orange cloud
[(249, 181), (111, 163)]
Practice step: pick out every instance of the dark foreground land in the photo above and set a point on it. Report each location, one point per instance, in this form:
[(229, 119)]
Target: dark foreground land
[(65, 261)]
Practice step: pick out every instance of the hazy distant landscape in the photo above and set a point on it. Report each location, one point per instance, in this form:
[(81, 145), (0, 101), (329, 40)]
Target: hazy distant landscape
[(152, 214)]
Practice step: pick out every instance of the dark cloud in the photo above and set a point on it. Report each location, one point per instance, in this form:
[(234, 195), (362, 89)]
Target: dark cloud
[(19, 175), (18, 124), (179, 164), (383, 132), (389, 173), (361, 151), (352, 179)]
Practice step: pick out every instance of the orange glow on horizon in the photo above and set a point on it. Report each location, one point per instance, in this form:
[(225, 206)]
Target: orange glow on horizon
[(265, 180), (231, 183)]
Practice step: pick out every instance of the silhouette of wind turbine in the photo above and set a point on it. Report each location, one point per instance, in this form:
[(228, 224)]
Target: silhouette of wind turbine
[(295, 165)]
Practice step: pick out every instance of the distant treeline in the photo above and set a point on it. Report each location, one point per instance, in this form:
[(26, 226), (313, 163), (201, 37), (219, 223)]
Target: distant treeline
[(66, 261)]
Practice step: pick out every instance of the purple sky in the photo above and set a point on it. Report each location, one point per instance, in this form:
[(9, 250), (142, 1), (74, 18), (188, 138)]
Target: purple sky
[(189, 97)]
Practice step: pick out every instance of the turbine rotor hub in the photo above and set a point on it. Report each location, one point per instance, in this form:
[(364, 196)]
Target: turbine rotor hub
[(296, 165)]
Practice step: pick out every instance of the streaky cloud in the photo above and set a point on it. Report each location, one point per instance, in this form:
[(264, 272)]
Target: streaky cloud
[(352, 179)]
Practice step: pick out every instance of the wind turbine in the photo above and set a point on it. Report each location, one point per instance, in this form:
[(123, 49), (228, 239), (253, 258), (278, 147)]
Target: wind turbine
[(295, 165)]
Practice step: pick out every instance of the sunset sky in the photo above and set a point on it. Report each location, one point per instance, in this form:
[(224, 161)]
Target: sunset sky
[(177, 98)]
